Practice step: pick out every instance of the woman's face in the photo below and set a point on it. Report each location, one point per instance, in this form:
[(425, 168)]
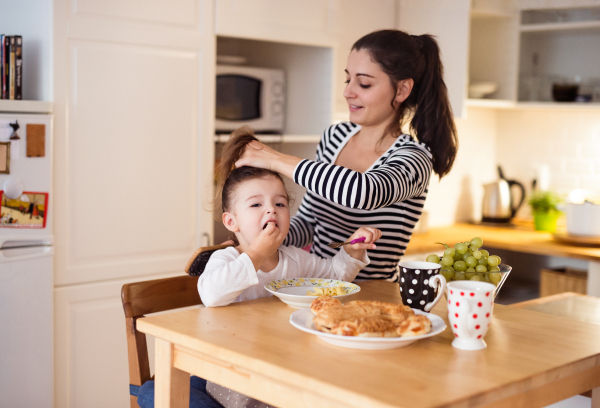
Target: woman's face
[(369, 91)]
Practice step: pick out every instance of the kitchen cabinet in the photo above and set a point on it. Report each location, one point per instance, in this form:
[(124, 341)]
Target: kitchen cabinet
[(133, 111), (449, 23), (305, 22), (91, 346)]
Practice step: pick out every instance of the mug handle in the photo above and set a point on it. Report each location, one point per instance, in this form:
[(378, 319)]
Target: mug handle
[(433, 283)]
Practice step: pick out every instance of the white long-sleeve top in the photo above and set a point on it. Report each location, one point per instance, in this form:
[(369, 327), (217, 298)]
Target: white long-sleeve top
[(230, 276)]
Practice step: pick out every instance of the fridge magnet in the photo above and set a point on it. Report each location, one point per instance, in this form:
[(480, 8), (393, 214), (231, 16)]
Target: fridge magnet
[(36, 140), (4, 157), (27, 211)]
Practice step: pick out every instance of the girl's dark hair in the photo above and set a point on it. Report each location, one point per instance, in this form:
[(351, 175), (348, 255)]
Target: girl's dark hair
[(403, 56), (230, 177)]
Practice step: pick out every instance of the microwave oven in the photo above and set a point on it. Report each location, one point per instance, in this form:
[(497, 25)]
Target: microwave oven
[(250, 96)]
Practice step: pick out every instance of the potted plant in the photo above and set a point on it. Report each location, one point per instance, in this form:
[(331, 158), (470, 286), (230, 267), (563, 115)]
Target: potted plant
[(544, 206)]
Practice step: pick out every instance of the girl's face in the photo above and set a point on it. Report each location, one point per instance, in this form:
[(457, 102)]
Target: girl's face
[(369, 91), (255, 203)]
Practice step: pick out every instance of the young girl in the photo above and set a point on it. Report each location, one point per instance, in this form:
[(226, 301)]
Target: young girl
[(256, 210), (367, 171)]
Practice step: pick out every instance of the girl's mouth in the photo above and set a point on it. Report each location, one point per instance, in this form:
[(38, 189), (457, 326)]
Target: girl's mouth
[(267, 223)]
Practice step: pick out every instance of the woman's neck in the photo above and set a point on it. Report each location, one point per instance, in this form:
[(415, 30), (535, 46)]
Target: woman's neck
[(371, 137)]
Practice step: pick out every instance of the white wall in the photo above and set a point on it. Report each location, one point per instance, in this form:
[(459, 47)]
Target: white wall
[(567, 141), (32, 19), (458, 196)]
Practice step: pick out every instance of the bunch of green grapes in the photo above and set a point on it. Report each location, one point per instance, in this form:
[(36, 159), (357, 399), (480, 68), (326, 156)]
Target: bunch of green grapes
[(468, 261)]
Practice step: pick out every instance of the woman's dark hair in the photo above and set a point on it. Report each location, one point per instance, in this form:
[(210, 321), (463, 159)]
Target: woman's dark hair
[(403, 56), (230, 177)]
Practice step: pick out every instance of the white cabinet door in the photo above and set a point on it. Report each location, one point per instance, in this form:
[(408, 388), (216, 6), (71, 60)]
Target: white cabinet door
[(291, 21), (91, 368), (449, 22), (134, 108)]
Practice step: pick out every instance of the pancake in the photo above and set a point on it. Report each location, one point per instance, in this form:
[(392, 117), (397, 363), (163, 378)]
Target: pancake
[(370, 326), (414, 326), (323, 302)]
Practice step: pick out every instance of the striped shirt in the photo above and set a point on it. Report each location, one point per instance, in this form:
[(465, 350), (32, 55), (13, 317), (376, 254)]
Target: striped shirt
[(390, 196)]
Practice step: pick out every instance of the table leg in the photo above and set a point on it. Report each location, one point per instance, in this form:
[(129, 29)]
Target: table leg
[(593, 284), (596, 397), (172, 386)]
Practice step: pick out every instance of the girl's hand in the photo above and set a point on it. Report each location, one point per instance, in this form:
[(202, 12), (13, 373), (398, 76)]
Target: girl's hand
[(371, 235), (257, 154), (265, 244)]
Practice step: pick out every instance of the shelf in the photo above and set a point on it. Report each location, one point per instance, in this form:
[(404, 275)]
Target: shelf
[(20, 106), (561, 106), (578, 25), (278, 138)]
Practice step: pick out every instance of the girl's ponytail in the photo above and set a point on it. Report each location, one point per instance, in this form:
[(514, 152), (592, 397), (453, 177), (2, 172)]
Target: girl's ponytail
[(432, 121)]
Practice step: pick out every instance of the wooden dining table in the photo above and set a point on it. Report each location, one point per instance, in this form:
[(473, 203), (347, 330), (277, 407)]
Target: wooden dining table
[(532, 359)]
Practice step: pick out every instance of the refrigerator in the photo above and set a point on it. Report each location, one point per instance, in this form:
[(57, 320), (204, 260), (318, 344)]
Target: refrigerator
[(26, 261)]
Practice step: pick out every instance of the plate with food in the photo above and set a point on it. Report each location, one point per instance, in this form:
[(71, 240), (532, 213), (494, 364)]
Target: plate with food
[(366, 325), (300, 292)]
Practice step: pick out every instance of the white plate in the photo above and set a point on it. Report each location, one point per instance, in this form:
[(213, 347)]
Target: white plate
[(303, 320), (293, 291)]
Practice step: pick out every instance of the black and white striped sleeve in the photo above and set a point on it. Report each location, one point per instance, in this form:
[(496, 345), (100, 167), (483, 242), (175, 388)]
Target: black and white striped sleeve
[(405, 174), (302, 225)]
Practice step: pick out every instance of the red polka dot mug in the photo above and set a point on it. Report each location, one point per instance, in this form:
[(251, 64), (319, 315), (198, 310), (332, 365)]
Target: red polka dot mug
[(470, 308)]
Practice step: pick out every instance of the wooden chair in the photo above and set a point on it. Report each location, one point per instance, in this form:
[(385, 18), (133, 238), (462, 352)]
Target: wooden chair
[(159, 295)]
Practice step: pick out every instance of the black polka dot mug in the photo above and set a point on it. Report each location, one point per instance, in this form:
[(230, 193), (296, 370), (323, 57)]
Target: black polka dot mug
[(421, 285), (470, 309)]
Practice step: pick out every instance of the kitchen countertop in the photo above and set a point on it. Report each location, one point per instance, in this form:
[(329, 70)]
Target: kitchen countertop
[(516, 238)]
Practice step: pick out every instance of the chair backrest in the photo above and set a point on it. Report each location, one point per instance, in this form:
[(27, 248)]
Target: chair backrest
[(152, 296), (198, 260)]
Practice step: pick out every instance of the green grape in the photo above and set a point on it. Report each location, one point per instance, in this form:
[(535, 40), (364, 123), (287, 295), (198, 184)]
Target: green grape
[(457, 257), (466, 255), (447, 274), (433, 258), (477, 254), (477, 242), (493, 260), (495, 277), (486, 277), (470, 270), (471, 262), (481, 268), (485, 253), (459, 276), (493, 268), (450, 252), (475, 278), (483, 261), (461, 248), (473, 248), (460, 266), (469, 275), (447, 268), (447, 260)]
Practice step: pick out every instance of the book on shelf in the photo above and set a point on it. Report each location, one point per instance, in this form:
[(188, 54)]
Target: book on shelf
[(4, 51), (18, 67), (11, 66)]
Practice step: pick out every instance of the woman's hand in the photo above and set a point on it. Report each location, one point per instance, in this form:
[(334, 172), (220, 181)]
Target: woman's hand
[(260, 155), (371, 235)]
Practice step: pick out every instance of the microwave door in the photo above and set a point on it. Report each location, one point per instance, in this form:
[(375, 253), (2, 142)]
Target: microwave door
[(238, 98)]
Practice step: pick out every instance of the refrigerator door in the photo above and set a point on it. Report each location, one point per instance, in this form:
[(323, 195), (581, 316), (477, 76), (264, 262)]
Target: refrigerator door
[(26, 327), (35, 172)]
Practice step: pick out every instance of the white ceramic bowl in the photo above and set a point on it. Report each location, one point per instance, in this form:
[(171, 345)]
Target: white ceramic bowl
[(481, 89), (293, 291)]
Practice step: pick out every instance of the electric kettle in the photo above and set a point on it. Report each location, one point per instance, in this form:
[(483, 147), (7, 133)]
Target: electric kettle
[(498, 201)]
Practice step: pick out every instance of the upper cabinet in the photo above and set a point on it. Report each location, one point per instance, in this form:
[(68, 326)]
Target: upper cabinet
[(448, 21), (301, 22)]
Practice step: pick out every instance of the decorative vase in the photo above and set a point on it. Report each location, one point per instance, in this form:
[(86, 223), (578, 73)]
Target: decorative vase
[(545, 221)]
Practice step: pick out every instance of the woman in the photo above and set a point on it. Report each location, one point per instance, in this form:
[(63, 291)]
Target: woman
[(367, 172)]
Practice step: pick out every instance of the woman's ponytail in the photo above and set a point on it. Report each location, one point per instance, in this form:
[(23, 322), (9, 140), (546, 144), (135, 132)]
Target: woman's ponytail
[(433, 122), (402, 56)]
